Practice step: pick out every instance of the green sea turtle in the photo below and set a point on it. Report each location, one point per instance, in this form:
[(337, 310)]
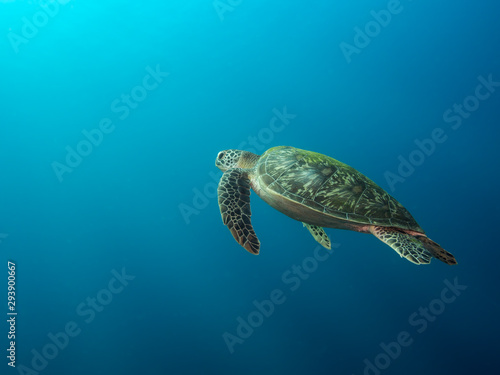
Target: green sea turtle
[(320, 192)]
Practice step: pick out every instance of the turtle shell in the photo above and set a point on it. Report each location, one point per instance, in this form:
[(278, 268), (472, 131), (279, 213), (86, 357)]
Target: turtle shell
[(329, 186)]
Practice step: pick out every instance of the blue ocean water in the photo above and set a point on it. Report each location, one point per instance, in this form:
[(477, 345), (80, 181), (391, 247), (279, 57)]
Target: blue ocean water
[(112, 114)]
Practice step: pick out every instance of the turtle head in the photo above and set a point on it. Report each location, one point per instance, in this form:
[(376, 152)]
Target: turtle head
[(228, 159)]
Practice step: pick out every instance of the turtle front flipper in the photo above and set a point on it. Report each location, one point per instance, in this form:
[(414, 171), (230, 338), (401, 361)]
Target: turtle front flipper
[(319, 235), (234, 204), (405, 244)]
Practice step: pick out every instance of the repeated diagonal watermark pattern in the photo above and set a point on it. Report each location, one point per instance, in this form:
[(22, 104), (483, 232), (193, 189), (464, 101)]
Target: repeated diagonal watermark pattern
[(223, 6), (31, 25), (86, 311), (121, 107), (364, 36), (292, 280), (255, 144), (419, 321), (453, 117)]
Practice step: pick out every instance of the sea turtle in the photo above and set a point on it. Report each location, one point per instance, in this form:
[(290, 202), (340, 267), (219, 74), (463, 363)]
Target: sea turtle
[(320, 192)]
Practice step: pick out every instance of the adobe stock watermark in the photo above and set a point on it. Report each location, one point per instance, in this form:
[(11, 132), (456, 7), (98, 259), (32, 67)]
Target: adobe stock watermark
[(455, 115), (86, 310), (121, 107), (3, 236), (222, 7), (363, 37), (256, 144), (419, 321), (31, 25), (292, 278)]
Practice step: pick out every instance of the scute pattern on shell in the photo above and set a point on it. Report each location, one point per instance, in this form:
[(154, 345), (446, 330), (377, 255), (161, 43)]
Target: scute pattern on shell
[(327, 185)]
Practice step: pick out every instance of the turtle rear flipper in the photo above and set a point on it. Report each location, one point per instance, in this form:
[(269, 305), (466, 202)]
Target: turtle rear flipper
[(319, 235), (405, 245), (437, 251), (234, 205), (417, 249)]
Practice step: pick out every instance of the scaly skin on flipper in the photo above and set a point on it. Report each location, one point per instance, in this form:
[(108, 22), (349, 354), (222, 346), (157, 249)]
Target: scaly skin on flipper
[(234, 204), (416, 248), (405, 245), (437, 251), (319, 235)]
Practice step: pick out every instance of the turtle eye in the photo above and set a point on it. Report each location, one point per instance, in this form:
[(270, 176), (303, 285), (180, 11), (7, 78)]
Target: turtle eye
[(221, 155)]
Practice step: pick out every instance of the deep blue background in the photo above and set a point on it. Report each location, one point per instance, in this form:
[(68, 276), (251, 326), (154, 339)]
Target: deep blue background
[(121, 206)]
